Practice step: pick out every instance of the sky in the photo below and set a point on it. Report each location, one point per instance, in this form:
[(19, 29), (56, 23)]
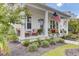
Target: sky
[(73, 7)]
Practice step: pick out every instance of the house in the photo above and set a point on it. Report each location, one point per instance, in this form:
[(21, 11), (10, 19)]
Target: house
[(41, 22), (71, 13)]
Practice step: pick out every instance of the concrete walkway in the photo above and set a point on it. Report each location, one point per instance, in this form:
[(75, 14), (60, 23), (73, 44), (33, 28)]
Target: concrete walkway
[(71, 42)]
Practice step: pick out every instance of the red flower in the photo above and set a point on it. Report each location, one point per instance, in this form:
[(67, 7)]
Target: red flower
[(53, 30), (34, 33)]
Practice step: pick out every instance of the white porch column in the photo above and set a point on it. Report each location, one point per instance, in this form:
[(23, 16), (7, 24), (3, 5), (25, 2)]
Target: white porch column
[(59, 28), (46, 23), (67, 27), (22, 33), (55, 25)]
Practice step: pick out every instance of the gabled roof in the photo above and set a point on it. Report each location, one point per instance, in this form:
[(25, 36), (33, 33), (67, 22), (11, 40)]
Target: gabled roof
[(52, 9)]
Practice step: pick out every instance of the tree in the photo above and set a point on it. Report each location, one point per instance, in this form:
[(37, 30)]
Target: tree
[(74, 26), (8, 17)]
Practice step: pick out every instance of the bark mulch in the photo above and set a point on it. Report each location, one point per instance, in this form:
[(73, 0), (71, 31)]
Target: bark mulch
[(19, 50)]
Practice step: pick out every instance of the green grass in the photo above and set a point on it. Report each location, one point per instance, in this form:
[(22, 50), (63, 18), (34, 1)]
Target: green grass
[(60, 51)]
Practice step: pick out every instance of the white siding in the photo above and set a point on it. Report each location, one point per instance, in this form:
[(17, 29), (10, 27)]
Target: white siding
[(36, 14)]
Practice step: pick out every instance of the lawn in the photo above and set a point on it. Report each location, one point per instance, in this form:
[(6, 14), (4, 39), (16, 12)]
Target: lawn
[(60, 51)]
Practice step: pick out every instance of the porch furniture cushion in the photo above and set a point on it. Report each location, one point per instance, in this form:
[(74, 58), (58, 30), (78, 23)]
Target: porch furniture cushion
[(27, 34), (34, 32)]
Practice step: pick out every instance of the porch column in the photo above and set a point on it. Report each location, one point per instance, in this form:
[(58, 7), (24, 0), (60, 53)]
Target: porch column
[(67, 27), (46, 24), (22, 33), (55, 24), (59, 28)]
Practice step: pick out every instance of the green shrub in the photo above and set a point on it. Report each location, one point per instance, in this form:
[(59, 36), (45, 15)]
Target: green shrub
[(12, 37), (77, 36), (26, 42), (54, 41), (39, 41), (50, 41), (35, 42), (74, 36), (47, 40), (69, 35), (64, 37), (32, 47), (44, 43), (77, 39), (58, 40), (61, 40), (4, 49)]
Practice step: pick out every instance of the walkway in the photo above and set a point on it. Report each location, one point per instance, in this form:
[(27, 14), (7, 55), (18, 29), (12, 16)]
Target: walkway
[(17, 49), (72, 42)]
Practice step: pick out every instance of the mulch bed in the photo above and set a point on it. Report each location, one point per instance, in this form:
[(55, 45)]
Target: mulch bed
[(1, 54), (19, 50), (71, 39), (72, 52)]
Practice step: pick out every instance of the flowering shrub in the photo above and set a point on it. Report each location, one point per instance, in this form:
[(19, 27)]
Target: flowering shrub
[(45, 43), (32, 47), (26, 43), (51, 41), (53, 30)]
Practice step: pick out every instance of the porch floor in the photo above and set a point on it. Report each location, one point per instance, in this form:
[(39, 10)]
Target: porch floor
[(34, 37)]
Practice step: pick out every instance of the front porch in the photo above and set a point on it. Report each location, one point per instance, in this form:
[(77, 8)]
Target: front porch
[(41, 24), (45, 31)]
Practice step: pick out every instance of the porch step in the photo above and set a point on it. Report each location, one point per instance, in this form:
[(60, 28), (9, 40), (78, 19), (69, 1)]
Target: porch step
[(33, 38)]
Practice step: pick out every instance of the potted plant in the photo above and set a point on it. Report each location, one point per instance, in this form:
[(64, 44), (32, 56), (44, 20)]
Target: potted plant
[(40, 31), (27, 34), (54, 30)]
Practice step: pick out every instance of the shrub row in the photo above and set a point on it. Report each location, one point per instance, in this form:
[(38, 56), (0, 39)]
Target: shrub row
[(71, 36), (33, 46)]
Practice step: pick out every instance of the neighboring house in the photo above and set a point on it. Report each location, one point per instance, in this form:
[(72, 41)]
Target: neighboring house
[(73, 16), (71, 13), (41, 21)]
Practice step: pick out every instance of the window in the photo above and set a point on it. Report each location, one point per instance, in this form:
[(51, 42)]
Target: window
[(51, 25), (41, 22), (56, 25), (28, 23)]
